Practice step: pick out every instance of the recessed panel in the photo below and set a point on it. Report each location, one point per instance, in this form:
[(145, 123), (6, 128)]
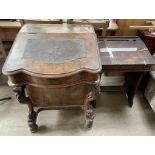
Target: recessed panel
[(54, 51)]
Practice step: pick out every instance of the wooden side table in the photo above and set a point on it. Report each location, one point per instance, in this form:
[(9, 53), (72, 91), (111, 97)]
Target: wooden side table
[(128, 55)]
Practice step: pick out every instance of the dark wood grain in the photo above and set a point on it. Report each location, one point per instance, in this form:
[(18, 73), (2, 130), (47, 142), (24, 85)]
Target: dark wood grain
[(125, 54), (8, 34), (130, 54)]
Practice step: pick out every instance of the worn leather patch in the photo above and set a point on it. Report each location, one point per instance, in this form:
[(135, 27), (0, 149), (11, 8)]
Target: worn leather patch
[(54, 51)]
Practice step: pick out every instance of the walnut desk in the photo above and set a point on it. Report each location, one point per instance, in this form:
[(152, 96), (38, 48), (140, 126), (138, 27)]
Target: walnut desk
[(55, 67), (126, 54)]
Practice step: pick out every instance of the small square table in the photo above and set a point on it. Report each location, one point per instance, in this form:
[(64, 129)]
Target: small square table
[(128, 55)]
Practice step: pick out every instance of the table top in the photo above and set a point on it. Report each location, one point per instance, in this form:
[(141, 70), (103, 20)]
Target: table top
[(124, 54), (57, 50)]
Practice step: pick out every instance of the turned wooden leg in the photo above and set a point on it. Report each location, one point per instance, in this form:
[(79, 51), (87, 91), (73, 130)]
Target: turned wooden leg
[(20, 95), (89, 117), (132, 81), (89, 113), (130, 95), (32, 121)]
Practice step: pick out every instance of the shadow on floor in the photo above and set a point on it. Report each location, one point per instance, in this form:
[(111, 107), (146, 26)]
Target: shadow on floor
[(148, 113)]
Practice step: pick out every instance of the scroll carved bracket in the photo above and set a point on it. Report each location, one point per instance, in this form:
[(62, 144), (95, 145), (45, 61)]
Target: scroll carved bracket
[(20, 94), (88, 108), (97, 88)]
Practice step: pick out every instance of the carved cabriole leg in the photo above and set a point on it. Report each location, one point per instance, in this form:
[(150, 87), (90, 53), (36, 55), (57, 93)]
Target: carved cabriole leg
[(32, 116), (97, 91), (20, 94), (89, 104), (89, 113)]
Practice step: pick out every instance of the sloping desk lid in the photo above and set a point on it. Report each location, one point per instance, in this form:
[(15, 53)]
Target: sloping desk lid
[(54, 51)]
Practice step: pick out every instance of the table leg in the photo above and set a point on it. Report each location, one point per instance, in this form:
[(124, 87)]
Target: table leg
[(89, 113), (21, 97), (32, 121), (132, 81)]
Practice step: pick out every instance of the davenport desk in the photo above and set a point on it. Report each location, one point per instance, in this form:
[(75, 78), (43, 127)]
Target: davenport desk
[(55, 67)]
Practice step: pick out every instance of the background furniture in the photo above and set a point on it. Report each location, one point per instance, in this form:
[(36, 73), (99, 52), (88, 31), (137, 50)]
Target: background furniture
[(148, 36), (100, 25), (3, 80), (8, 32), (124, 29), (41, 21), (149, 93)]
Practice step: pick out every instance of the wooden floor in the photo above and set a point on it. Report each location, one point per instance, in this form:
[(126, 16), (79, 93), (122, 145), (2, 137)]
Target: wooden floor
[(114, 117)]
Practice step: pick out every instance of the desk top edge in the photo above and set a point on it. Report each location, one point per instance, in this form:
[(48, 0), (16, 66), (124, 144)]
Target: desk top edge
[(57, 28)]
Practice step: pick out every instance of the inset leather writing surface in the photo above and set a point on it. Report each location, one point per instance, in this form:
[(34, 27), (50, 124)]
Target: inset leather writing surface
[(54, 51)]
